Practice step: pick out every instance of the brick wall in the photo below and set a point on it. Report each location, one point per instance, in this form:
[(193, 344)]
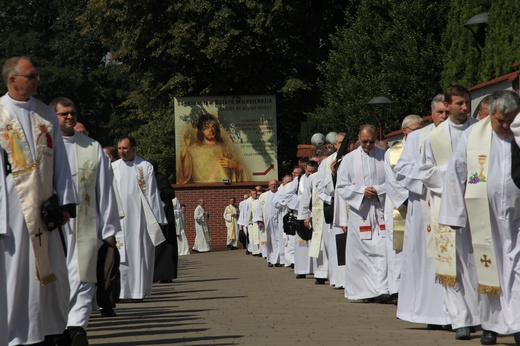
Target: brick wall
[(217, 198)]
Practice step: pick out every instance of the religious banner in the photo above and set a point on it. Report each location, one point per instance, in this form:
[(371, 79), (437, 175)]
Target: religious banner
[(225, 139)]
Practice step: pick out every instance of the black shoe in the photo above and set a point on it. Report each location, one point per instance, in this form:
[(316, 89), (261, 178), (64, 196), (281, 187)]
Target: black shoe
[(248, 253), (234, 248), (169, 281), (434, 327), (278, 265), (517, 339), (292, 265), (383, 299), (108, 313), (78, 336), (488, 338), (301, 276), (462, 333), (270, 265), (319, 281), (368, 300)]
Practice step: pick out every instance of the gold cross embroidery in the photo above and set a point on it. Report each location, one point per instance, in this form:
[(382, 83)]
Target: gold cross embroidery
[(485, 260)]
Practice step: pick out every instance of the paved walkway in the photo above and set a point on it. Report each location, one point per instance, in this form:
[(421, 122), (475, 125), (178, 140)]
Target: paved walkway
[(228, 298)]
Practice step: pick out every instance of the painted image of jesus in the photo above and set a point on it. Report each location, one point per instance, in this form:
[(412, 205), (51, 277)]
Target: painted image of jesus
[(16, 146), (210, 158)]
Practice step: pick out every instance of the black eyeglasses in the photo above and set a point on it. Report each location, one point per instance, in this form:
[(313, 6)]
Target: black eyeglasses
[(367, 141), (28, 76), (64, 114)]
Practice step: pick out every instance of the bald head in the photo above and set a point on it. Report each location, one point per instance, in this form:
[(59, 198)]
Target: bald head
[(273, 185), (367, 137)]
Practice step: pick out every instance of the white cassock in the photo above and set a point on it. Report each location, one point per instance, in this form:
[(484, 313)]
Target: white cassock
[(396, 195), (180, 227), (137, 251), (420, 297), (461, 299), (497, 313), (268, 213), (35, 310), (107, 225), (4, 223), (286, 243), (291, 199), (231, 225), (202, 236), (326, 191), (252, 227), (366, 260)]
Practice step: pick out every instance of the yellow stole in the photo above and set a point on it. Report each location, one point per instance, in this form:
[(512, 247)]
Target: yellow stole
[(444, 236), (87, 241), (33, 179), (399, 215), (479, 144), (232, 234)]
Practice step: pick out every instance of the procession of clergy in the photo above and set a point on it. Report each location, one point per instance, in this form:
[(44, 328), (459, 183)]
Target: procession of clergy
[(431, 224), (75, 222)]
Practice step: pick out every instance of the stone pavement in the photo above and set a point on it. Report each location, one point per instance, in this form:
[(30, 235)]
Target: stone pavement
[(228, 298)]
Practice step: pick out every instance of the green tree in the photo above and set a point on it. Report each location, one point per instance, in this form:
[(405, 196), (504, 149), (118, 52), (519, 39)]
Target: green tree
[(203, 47), (461, 57), (389, 48), (70, 64)]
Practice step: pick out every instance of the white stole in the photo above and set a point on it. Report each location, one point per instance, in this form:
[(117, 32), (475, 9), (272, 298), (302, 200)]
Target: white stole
[(444, 239), (87, 242), (317, 221), (479, 145)]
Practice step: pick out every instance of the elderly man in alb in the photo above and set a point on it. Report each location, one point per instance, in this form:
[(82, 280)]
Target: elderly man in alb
[(35, 262), (97, 217), (202, 236), (140, 227), (361, 183), (231, 217), (326, 186), (455, 266), (268, 218), (421, 298), (396, 205), (480, 195), (183, 246)]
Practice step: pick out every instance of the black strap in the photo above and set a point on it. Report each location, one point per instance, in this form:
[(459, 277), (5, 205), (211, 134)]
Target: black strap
[(7, 166), (515, 163)]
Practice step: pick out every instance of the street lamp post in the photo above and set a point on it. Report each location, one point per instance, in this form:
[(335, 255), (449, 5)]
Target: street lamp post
[(380, 100)]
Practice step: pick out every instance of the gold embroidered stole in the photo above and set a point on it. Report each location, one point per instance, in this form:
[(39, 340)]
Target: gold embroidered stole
[(317, 221), (444, 237), (263, 235), (399, 215), (33, 179), (87, 241), (479, 145), (231, 224)]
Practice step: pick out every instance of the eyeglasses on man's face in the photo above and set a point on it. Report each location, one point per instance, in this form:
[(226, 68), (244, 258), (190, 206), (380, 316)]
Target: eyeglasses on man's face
[(28, 76), (368, 141), (64, 114)]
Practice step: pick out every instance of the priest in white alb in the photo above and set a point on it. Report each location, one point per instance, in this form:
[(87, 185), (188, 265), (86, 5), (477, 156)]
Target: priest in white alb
[(455, 266), (183, 246), (35, 261), (140, 227), (97, 217), (396, 205), (361, 183), (421, 299), (4, 170), (479, 192), (231, 218), (268, 218), (202, 236)]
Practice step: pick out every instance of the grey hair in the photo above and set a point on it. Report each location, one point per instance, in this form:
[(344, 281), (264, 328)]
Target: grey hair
[(505, 101), (438, 98), (11, 67), (410, 119)]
